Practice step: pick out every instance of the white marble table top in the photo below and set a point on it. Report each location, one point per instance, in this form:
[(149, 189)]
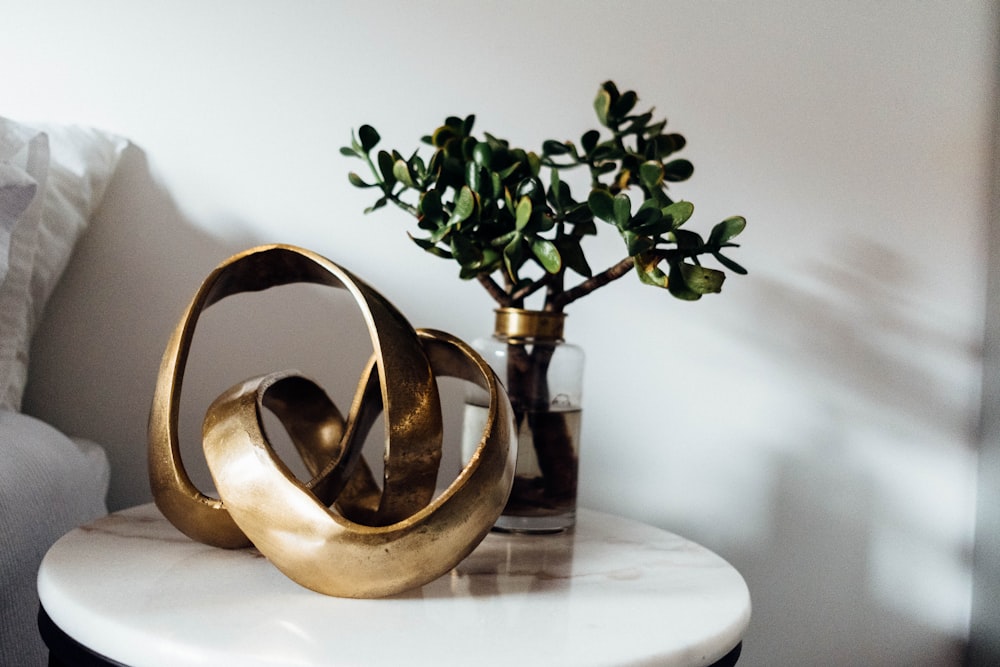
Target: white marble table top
[(612, 592)]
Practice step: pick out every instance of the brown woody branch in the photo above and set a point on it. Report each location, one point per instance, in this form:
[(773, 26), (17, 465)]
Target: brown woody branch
[(556, 300), (562, 299), (498, 293)]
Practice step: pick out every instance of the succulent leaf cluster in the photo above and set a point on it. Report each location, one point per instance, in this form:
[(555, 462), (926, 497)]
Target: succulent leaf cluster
[(497, 210)]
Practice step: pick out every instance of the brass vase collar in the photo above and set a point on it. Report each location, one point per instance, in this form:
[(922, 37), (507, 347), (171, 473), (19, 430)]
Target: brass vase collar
[(518, 323)]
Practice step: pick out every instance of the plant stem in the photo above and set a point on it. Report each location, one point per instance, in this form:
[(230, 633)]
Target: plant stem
[(409, 208), (562, 299), (498, 293), (557, 298), (528, 388), (530, 289)]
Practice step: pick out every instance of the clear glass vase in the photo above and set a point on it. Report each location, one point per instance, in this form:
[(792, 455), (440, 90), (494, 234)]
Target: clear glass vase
[(543, 375)]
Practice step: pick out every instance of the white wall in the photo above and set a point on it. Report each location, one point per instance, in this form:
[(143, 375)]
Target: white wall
[(814, 423)]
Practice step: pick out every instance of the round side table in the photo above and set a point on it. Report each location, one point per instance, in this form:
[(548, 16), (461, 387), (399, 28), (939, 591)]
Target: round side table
[(129, 589)]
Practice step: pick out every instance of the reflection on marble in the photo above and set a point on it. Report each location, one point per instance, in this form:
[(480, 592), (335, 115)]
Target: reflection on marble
[(612, 592)]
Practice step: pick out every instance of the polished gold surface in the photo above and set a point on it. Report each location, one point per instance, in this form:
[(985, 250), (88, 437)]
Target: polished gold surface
[(377, 540), (517, 323)]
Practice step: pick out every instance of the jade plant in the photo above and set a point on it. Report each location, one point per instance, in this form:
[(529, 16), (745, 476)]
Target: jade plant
[(510, 220), (496, 209)]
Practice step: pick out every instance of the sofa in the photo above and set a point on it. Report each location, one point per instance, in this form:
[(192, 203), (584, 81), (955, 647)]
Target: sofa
[(52, 182)]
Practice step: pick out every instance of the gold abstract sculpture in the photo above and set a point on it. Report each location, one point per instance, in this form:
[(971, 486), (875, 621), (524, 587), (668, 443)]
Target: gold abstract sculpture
[(339, 533)]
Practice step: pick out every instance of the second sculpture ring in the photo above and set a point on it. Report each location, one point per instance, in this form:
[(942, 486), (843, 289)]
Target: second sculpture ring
[(340, 533)]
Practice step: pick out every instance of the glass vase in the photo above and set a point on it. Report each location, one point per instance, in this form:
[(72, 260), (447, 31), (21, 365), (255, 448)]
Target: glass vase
[(543, 376)]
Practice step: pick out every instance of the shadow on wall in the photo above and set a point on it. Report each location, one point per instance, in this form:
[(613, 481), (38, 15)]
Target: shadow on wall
[(863, 528), (848, 565), (867, 339), (96, 356)]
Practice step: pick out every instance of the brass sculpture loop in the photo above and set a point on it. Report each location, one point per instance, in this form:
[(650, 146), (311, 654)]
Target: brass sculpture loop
[(378, 540), (409, 399), (323, 549)]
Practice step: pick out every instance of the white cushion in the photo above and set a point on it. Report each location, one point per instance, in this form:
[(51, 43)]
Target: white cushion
[(71, 167), (24, 163)]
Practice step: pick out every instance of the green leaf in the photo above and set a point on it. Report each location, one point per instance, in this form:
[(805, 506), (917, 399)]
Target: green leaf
[(385, 167), (647, 267), (417, 166), (624, 104), (655, 277), (607, 151), (727, 229), (488, 259), (463, 251), (700, 279), (651, 174), (534, 163), (678, 288), (441, 233), (508, 200), (623, 210), (357, 181), (679, 212), (379, 203), (637, 243), (430, 205), (504, 239), (649, 217), (349, 152), (729, 264), (443, 135), (369, 137), (529, 187), (655, 129), (401, 171), (553, 147), (465, 204), (602, 204), (430, 247), (589, 140), (677, 170), (667, 144), (467, 124), (513, 256), (482, 154), (547, 254), (468, 145), (605, 168), (638, 124), (523, 214), (564, 197), (602, 105), (505, 174), (473, 175), (543, 222), (687, 240), (555, 188)]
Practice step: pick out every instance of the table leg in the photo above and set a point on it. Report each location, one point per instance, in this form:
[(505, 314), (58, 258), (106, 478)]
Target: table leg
[(730, 658), (64, 651)]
